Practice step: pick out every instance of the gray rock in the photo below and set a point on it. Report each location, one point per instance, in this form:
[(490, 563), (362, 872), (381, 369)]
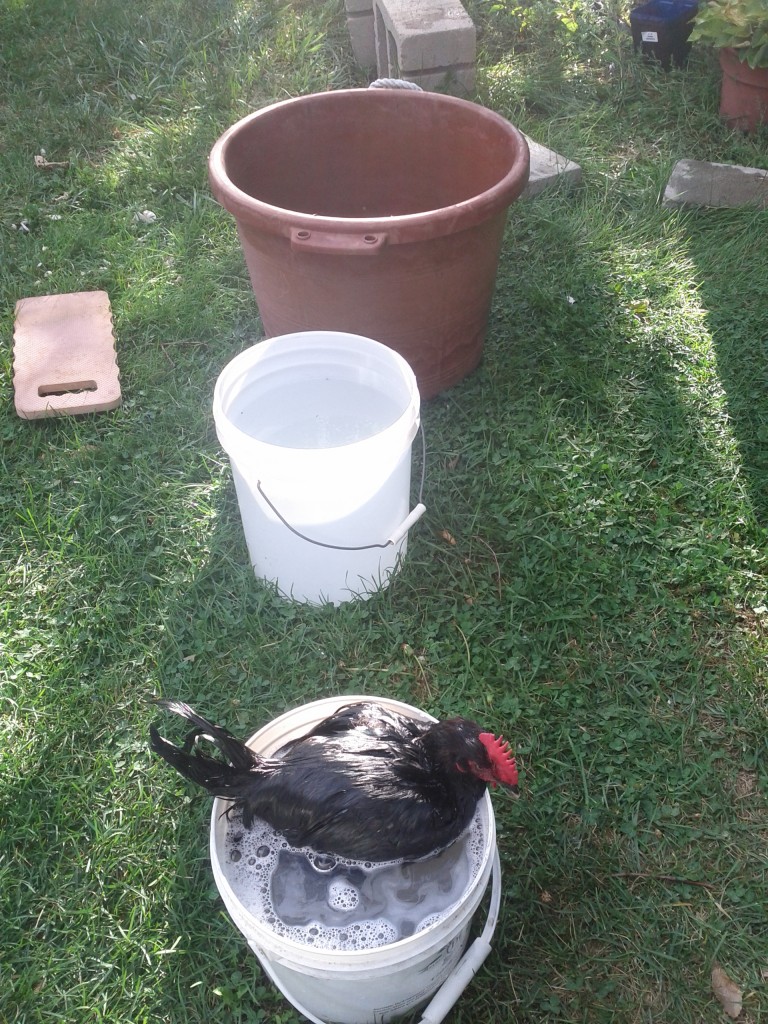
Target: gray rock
[(698, 183)]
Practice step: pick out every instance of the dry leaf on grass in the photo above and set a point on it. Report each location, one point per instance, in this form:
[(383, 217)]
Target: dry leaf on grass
[(728, 992)]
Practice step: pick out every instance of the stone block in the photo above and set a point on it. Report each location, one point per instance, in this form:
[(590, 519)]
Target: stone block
[(547, 168), (362, 32), (699, 183), (429, 42)]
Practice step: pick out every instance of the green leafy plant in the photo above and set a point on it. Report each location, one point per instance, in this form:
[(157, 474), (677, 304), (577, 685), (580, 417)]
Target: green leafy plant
[(739, 24)]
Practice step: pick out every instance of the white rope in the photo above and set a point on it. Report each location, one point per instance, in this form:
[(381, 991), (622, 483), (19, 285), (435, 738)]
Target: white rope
[(394, 83)]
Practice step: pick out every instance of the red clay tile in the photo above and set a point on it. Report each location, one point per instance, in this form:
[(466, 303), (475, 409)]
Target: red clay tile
[(64, 360)]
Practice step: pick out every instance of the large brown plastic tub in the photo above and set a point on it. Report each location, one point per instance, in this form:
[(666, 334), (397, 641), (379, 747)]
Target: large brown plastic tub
[(376, 212)]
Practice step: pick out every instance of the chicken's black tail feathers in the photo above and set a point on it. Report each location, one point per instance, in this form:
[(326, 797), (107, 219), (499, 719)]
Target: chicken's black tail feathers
[(234, 750), (206, 771), (228, 779)]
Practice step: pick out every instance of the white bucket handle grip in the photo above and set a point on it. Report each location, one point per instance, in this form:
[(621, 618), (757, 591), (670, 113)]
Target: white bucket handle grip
[(447, 995), (449, 992)]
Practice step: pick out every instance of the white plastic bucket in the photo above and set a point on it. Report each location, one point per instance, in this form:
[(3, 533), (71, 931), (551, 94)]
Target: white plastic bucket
[(318, 427), (371, 986)]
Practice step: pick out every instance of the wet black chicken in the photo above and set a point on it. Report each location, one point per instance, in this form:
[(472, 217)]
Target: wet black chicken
[(366, 783)]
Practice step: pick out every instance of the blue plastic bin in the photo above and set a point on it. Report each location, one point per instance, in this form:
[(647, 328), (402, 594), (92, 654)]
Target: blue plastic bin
[(660, 29)]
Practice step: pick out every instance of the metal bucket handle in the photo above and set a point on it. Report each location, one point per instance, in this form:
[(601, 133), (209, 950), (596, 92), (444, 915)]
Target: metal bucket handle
[(395, 536)]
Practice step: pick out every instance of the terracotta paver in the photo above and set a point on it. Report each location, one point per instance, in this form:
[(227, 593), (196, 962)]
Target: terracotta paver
[(64, 359)]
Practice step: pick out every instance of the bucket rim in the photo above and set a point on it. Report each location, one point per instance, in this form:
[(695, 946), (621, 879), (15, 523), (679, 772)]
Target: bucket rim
[(231, 436), (398, 227), (385, 953)]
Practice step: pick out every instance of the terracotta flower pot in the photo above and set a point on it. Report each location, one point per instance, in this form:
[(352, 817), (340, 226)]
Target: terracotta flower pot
[(377, 212), (744, 92)]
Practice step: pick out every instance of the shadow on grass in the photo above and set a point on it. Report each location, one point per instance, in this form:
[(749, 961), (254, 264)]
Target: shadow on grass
[(602, 627), (579, 633)]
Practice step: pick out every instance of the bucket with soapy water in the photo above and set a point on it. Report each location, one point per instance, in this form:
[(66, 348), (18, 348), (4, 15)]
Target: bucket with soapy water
[(304, 917), (319, 427)]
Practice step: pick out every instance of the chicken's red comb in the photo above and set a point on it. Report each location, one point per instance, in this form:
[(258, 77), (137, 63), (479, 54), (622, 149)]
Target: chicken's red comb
[(504, 767)]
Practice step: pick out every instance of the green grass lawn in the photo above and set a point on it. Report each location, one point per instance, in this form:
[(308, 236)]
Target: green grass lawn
[(603, 474)]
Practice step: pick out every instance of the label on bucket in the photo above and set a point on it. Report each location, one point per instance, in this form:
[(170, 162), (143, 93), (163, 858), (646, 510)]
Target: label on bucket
[(336, 904), (432, 976), (650, 37)]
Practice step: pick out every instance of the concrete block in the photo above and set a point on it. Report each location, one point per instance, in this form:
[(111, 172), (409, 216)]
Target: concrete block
[(698, 183), (547, 168), (429, 42), (362, 32)]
